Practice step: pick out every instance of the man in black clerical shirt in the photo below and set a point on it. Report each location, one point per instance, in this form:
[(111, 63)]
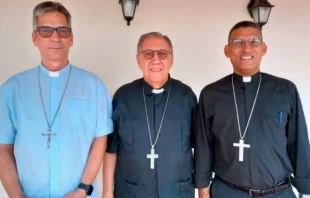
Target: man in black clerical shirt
[(250, 130), (149, 154)]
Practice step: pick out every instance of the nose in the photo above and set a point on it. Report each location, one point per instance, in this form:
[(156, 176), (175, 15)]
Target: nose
[(55, 37), (155, 59), (246, 46), (155, 56)]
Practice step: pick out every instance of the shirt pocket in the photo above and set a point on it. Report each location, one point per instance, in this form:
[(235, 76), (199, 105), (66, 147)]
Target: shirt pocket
[(81, 114), (183, 189), (126, 134), (279, 118), (274, 129), (178, 137), (185, 135), (135, 190)]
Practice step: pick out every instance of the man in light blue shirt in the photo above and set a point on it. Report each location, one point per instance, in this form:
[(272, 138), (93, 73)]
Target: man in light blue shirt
[(54, 118)]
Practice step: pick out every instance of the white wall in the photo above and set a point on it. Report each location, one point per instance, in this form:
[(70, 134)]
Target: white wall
[(105, 45)]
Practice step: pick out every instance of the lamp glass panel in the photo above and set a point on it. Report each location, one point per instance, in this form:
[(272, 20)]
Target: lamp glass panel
[(264, 13), (129, 7)]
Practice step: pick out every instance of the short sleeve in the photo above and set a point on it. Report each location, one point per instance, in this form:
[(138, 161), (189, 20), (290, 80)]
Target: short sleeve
[(7, 128), (104, 110)]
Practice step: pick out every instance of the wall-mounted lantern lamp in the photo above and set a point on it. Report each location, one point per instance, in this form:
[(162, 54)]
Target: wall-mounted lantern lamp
[(129, 9), (259, 11)]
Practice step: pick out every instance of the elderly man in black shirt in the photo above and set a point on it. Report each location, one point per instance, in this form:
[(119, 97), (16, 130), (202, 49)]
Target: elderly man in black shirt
[(149, 154)]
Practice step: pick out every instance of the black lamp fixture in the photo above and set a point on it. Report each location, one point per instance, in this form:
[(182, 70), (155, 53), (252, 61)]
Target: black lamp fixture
[(129, 9), (260, 11)]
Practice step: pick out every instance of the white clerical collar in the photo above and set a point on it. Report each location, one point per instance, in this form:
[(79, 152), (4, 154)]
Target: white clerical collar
[(246, 79), (53, 74), (158, 91)]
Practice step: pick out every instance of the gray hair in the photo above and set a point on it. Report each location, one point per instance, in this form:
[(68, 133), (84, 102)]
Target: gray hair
[(49, 6), (154, 35)]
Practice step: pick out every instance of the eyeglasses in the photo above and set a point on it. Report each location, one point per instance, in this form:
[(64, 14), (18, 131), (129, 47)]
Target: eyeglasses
[(253, 42), (46, 31), (149, 54)]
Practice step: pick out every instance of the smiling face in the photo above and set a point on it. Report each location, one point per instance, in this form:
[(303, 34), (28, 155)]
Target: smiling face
[(53, 49), (155, 60), (245, 50)]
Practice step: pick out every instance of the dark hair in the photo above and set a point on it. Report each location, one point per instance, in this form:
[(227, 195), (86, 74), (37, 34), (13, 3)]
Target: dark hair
[(245, 24)]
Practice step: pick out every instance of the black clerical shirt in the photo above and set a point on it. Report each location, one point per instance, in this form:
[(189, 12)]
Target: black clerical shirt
[(172, 175), (277, 134)]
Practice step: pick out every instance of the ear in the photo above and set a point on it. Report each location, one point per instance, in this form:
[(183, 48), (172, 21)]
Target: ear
[(138, 58), (34, 39), (264, 47), (170, 61), (226, 51), (71, 39)]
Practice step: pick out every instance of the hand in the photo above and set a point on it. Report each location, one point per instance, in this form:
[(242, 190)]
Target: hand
[(79, 193), (203, 193), (108, 195)]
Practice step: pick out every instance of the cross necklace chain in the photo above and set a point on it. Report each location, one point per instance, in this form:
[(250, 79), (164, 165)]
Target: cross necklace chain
[(241, 143), (152, 156), (49, 132)]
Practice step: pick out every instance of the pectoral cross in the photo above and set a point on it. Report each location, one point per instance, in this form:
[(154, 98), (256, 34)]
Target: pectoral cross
[(48, 134), (152, 156), (241, 146)]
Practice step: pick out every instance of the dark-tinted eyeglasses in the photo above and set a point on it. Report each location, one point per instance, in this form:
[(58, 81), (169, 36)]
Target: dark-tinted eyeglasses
[(46, 31), (149, 54)]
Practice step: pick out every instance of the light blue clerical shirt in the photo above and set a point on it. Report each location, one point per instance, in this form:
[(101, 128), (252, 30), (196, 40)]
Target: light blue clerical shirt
[(85, 113)]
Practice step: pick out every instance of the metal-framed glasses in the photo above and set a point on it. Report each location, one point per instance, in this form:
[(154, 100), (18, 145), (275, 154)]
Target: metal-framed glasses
[(253, 42), (47, 31), (149, 54)]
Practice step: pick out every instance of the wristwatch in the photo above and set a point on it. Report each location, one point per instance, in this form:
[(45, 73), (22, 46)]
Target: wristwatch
[(88, 188)]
